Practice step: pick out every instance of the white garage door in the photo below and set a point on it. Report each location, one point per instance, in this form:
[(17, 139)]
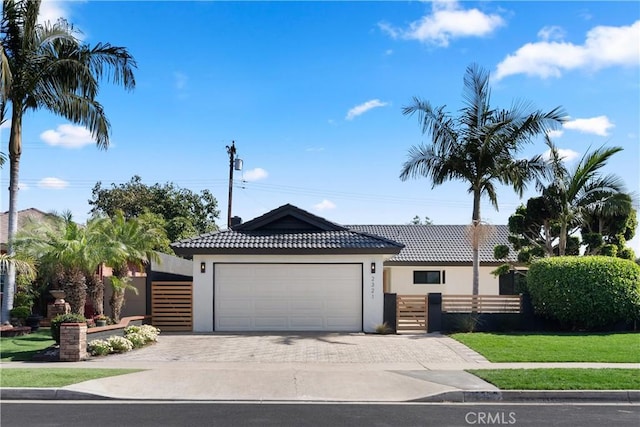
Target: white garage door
[(288, 297)]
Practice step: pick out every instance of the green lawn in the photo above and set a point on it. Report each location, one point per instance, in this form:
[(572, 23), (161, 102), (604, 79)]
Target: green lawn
[(561, 379), (22, 348), (558, 347), (55, 377)]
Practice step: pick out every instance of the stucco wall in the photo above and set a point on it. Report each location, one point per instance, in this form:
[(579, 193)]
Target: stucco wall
[(372, 293), (134, 305), (458, 280)]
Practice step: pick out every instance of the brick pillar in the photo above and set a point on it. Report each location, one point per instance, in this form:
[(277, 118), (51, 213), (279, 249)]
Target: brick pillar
[(73, 342)]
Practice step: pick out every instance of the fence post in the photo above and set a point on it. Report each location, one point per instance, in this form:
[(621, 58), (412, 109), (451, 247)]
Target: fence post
[(434, 312), (390, 311)]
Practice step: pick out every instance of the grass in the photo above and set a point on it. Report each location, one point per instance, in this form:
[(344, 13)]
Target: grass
[(55, 377), (554, 347), (22, 348), (561, 379)]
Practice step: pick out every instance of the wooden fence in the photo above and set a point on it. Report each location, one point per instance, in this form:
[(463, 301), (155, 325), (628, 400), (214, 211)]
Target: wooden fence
[(482, 303), (172, 306), (411, 313)]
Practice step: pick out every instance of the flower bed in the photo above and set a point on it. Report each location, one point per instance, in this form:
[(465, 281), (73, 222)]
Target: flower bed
[(134, 337)]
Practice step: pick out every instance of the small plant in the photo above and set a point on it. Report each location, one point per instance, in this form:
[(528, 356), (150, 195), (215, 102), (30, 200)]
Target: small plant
[(150, 333), (119, 344), (64, 318), (99, 348), (384, 329), (20, 312), (137, 339), (100, 317)]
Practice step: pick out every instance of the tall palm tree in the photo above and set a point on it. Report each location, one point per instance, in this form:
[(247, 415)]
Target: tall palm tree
[(132, 244), (51, 69), (479, 146), (584, 190)]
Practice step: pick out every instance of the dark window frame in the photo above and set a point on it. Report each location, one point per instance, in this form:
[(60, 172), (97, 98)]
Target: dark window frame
[(428, 277)]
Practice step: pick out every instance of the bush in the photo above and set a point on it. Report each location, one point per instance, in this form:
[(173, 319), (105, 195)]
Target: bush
[(119, 344), (64, 318), (148, 332), (137, 339), (592, 292), (99, 348), (20, 312)]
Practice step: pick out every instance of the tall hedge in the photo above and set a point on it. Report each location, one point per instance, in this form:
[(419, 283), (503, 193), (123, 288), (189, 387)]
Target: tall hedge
[(589, 292)]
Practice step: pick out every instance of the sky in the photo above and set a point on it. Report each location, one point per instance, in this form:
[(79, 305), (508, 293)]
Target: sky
[(312, 94)]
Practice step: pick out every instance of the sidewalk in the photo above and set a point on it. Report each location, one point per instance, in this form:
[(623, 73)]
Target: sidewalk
[(308, 367)]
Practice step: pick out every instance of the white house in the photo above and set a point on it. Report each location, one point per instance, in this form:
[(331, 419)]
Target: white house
[(291, 270)]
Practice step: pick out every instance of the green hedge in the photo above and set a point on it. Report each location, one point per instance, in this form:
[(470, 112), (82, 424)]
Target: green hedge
[(590, 292), (64, 318)]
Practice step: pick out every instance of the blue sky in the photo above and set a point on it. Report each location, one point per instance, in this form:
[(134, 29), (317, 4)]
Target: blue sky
[(312, 94)]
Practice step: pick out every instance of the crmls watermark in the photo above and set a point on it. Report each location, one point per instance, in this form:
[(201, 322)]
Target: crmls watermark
[(490, 418)]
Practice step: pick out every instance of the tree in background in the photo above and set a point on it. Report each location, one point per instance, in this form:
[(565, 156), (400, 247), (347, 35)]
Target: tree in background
[(582, 200), (479, 147), (45, 66), (184, 213), (418, 221)]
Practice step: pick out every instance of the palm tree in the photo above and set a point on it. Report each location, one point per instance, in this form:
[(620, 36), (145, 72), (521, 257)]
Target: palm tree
[(479, 146), (132, 244), (51, 69), (67, 252), (584, 191)]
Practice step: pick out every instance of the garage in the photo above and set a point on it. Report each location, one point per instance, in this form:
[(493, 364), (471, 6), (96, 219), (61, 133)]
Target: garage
[(287, 270), (288, 297)]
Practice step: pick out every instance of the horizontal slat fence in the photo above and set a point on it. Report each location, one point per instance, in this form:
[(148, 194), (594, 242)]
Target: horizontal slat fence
[(172, 306), (411, 313), (482, 303)]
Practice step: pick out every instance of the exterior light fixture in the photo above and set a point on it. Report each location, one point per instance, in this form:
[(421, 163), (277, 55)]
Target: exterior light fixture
[(203, 267), (373, 267)]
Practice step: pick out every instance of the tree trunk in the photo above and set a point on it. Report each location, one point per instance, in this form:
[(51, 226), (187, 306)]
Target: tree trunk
[(95, 289), (562, 244), (116, 302), (15, 150), (475, 220), (75, 291)]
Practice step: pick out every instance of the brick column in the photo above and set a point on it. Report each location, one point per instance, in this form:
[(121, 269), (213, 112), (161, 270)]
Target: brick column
[(73, 342)]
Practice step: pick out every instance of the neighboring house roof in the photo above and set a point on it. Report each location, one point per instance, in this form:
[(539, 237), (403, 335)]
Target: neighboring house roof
[(31, 214), (437, 244), (287, 230)]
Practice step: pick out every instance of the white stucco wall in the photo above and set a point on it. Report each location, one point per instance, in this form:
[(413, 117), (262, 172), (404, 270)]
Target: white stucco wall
[(458, 280), (372, 292)]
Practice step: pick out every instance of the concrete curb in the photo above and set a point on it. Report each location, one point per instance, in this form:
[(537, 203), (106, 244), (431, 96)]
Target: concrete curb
[(33, 393), (621, 396), (511, 396)]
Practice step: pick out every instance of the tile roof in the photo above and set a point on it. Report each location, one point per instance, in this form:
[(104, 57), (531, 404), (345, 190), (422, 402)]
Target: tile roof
[(274, 242), (437, 243)]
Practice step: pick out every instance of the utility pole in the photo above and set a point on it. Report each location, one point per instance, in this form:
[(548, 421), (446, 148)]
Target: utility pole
[(236, 164)]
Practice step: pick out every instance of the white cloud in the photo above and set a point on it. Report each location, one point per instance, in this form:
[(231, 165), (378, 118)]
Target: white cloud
[(255, 174), (6, 125), (364, 107), (314, 149), (67, 136), (388, 52), (22, 186), (446, 22), (596, 125), (52, 183), (552, 32), (52, 10), (555, 133), (565, 154), (324, 205), (603, 47)]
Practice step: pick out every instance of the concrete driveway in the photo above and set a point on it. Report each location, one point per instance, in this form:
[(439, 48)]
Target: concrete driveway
[(305, 348)]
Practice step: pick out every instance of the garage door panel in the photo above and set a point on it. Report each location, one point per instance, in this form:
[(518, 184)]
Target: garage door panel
[(288, 297)]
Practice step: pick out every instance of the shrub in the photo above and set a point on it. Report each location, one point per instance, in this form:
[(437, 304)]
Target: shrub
[(119, 344), (591, 292), (137, 339), (64, 318), (99, 348), (21, 312), (148, 332)]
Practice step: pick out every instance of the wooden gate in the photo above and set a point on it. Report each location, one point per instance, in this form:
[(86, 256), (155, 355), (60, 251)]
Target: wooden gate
[(411, 313), (172, 305)]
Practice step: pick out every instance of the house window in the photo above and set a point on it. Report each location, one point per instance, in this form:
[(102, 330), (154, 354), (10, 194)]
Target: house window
[(428, 277)]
